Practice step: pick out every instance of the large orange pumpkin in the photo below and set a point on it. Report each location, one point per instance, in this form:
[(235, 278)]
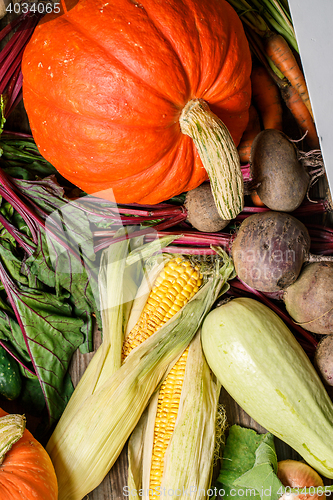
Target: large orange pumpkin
[(105, 84), (26, 472)]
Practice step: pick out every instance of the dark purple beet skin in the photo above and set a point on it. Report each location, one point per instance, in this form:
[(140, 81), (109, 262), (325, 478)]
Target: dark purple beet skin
[(323, 359), (269, 250), (280, 178), (309, 300)]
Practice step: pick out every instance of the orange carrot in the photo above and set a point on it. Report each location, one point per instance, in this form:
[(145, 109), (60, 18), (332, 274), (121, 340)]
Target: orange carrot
[(256, 200), (267, 98), (282, 56), (252, 129), (301, 114)]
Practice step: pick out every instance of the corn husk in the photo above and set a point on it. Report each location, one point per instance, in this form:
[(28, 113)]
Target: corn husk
[(91, 434), (111, 271), (188, 461), (121, 271)]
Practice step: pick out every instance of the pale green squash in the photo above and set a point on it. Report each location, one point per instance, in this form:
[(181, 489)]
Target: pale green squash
[(262, 366)]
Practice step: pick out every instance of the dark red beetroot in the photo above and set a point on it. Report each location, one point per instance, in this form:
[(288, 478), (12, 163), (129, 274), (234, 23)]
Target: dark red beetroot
[(201, 210), (270, 249), (323, 359), (281, 180), (309, 300)]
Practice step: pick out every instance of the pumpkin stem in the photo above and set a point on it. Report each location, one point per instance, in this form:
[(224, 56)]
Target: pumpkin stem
[(218, 154), (11, 430)]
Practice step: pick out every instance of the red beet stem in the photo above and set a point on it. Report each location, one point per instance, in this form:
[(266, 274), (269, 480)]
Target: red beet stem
[(11, 57), (16, 134), (323, 231), (153, 213), (2, 343), (14, 91), (188, 250), (195, 239), (246, 172)]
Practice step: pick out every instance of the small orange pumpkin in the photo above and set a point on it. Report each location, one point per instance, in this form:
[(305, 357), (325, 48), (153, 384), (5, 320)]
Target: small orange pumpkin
[(26, 470)]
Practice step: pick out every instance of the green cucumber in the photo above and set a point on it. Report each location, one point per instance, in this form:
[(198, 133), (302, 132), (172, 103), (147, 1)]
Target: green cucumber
[(10, 377), (264, 369)]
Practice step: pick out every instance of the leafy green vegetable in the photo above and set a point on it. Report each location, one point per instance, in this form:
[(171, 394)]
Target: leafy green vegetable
[(51, 335), (63, 271), (48, 280), (249, 466), (17, 154), (68, 216), (262, 476), (63, 255), (11, 332)]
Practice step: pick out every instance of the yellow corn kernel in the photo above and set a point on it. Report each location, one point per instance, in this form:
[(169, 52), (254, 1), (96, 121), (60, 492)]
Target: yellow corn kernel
[(166, 416), (173, 288)]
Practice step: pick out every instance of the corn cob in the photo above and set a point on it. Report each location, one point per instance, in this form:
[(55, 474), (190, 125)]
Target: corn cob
[(174, 443), (166, 416), (174, 287), (176, 284), (113, 350), (92, 433), (165, 411)]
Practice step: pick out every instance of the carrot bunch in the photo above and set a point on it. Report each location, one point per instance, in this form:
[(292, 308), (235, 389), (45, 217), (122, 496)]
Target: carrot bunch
[(252, 130), (278, 76), (267, 98), (293, 89)]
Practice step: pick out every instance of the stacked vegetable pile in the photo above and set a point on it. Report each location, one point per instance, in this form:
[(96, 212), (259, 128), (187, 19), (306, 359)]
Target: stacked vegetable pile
[(166, 199)]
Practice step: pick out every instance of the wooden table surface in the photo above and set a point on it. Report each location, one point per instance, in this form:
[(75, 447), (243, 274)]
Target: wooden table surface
[(112, 486)]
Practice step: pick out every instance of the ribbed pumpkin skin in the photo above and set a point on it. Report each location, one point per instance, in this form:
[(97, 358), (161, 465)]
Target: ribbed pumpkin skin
[(27, 472), (104, 86)]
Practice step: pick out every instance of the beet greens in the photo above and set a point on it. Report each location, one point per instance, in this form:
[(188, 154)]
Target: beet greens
[(48, 274)]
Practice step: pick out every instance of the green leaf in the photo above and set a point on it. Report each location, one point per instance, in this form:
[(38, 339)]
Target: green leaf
[(249, 466), (13, 260), (238, 457), (52, 335), (65, 271), (239, 453), (40, 264), (81, 283), (6, 209), (68, 216), (11, 332), (262, 476), (21, 159)]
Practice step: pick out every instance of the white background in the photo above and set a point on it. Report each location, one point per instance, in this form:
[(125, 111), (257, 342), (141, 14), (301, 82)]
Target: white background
[(313, 24)]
